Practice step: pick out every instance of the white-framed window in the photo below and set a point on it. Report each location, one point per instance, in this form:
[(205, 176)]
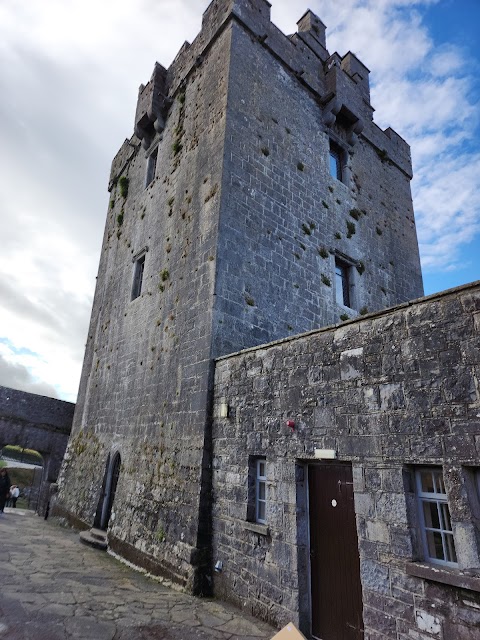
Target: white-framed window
[(435, 523), (261, 490), (138, 269)]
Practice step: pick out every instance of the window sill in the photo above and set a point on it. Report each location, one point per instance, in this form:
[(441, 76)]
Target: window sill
[(261, 529), (462, 578)]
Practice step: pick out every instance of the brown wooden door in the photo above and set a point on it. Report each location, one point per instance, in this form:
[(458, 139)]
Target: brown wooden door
[(334, 559)]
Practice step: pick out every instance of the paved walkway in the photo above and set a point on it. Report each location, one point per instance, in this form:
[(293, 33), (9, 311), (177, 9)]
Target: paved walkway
[(52, 587)]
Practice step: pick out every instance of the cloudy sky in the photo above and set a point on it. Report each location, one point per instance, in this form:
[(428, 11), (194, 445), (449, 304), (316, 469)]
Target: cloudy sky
[(69, 75)]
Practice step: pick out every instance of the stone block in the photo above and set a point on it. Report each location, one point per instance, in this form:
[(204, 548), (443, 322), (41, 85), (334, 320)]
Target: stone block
[(375, 576), (378, 531), (429, 623), (391, 397)]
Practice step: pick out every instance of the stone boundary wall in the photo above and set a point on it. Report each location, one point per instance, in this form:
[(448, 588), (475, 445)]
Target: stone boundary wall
[(388, 392), (40, 423), (31, 407)]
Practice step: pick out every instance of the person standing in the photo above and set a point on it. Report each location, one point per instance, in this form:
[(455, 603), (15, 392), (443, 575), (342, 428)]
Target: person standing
[(4, 487), (14, 493)]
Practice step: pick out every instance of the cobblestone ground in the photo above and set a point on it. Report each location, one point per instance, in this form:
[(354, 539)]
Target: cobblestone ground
[(52, 587)]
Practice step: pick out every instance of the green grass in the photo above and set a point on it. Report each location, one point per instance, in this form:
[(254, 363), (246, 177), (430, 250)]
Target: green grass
[(15, 452)]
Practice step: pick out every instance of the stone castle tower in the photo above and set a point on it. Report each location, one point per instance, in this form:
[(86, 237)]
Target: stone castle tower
[(257, 199)]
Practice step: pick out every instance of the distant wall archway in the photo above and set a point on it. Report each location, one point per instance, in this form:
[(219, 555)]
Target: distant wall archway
[(40, 423)]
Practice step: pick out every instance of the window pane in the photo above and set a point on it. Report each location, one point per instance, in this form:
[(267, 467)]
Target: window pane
[(335, 171), (261, 511), (151, 167), (261, 468), (342, 283), (445, 513), (261, 490), (138, 277), (427, 481), (435, 545), (430, 511), (439, 484), (450, 548)]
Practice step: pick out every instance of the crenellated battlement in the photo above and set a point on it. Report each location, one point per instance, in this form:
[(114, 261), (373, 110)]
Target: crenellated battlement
[(152, 106), (339, 84)]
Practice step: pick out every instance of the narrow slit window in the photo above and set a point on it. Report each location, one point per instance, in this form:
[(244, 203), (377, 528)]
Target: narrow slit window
[(342, 283), (138, 270), (151, 166), (335, 159)]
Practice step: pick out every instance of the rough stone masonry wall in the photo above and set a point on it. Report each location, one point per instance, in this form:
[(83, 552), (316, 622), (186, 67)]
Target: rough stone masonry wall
[(394, 390), (285, 218), (144, 387)]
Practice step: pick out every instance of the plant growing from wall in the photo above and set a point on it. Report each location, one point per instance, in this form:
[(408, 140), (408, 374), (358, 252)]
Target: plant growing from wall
[(344, 317), (249, 300), (350, 229), (323, 252), (355, 213), (363, 311), (123, 186), (164, 275), (179, 129), (382, 154), (326, 280), (360, 267)]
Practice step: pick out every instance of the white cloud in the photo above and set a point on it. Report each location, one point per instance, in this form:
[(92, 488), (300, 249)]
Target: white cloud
[(17, 375), (425, 93)]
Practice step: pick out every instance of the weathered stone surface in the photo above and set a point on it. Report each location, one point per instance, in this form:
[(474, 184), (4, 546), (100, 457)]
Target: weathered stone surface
[(64, 604), (407, 435)]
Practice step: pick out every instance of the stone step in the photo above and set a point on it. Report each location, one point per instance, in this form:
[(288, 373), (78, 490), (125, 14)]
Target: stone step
[(101, 534), (95, 541)]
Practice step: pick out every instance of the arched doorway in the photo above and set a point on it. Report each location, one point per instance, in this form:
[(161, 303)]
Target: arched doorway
[(109, 486), (27, 470)]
